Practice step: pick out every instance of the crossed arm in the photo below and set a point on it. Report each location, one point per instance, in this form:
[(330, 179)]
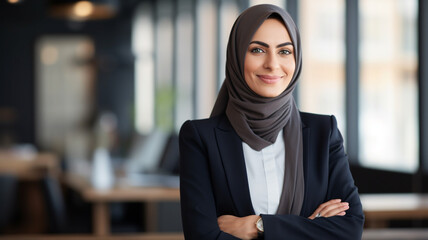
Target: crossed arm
[(245, 227)]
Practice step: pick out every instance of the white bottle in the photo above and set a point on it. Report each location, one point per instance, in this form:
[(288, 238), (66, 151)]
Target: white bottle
[(102, 170)]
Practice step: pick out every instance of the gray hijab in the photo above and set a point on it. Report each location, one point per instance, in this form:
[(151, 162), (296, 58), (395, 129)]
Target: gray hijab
[(258, 120)]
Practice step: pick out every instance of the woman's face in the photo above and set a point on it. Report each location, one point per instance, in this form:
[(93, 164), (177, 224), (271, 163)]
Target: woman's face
[(269, 62)]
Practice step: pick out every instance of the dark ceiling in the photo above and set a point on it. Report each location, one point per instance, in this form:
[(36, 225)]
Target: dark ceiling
[(31, 10)]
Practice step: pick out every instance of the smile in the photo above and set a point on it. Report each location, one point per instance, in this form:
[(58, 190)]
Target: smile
[(269, 79)]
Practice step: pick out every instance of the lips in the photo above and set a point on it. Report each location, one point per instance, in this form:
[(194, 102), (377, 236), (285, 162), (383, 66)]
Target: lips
[(269, 79)]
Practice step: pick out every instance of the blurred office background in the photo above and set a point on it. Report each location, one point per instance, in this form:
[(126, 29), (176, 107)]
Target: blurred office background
[(116, 79)]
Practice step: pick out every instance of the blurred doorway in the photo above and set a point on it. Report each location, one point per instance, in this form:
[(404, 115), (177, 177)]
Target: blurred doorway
[(65, 93)]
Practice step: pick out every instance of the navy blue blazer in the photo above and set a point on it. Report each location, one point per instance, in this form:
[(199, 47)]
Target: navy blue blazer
[(213, 182)]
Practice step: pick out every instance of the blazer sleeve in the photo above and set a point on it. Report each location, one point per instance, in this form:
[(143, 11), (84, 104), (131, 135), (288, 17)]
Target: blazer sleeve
[(199, 215), (341, 185)]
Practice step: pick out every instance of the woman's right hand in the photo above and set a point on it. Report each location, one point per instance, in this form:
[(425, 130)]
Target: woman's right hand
[(334, 207)]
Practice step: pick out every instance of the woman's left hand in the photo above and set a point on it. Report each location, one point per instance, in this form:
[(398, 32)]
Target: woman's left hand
[(334, 207), (240, 227)]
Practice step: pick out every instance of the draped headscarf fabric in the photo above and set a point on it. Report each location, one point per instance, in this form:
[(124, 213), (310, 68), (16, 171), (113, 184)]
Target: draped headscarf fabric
[(256, 119)]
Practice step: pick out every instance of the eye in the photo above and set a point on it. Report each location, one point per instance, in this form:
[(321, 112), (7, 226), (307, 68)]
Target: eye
[(285, 51), (257, 50)]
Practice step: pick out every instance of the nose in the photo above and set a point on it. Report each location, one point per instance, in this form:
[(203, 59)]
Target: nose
[(271, 61)]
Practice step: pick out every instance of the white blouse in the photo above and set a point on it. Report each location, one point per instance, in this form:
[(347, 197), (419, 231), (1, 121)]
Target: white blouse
[(265, 172)]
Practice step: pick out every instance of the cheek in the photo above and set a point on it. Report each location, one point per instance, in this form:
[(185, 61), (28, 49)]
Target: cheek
[(250, 65), (289, 67)]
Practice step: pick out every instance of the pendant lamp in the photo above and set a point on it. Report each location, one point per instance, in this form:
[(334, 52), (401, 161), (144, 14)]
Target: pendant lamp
[(81, 10)]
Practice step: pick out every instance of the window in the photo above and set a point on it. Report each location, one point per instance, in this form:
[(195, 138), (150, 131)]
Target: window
[(280, 3), (65, 85), (388, 120), (322, 84), (184, 62), (228, 12), (143, 48), (164, 60), (206, 52)]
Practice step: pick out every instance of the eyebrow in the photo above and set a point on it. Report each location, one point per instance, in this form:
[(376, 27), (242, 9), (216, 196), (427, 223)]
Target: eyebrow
[(267, 45)]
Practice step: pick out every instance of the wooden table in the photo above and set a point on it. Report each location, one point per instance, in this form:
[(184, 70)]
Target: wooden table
[(395, 234), (379, 209), (157, 236), (29, 168), (101, 199)]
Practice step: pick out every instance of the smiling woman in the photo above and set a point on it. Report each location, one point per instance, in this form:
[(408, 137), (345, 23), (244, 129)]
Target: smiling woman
[(258, 167)]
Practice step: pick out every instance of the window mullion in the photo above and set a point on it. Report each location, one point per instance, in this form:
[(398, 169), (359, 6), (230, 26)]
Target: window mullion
[(423, 83), (352, 78)]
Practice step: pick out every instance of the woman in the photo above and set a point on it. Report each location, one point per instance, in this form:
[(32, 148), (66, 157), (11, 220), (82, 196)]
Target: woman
[(259, 168)]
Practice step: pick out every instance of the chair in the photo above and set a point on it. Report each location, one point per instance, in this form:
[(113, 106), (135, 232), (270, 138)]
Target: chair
[(7, 198), (55, 205), (170, 159), (60, 221), (145, 152)]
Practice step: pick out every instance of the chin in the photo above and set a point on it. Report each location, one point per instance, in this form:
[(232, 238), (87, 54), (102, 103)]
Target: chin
[(269, 94)]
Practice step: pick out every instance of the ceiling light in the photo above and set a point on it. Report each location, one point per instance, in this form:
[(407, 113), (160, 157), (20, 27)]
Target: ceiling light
[(13, 1), (83, 10)]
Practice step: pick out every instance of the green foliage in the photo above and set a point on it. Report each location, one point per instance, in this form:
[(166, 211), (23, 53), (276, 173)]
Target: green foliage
[(164, 109)]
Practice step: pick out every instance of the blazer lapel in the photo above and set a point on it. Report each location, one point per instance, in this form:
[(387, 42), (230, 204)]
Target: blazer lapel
[(306, 152), (232, 157)]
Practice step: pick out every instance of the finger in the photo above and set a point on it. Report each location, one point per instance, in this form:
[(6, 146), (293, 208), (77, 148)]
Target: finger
[(330, 207), (333, 210), (323, 206), (328, 204), (341, 211), (333, 201)]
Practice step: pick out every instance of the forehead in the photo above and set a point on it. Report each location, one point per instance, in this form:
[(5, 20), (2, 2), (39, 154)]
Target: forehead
[(272, 30)]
